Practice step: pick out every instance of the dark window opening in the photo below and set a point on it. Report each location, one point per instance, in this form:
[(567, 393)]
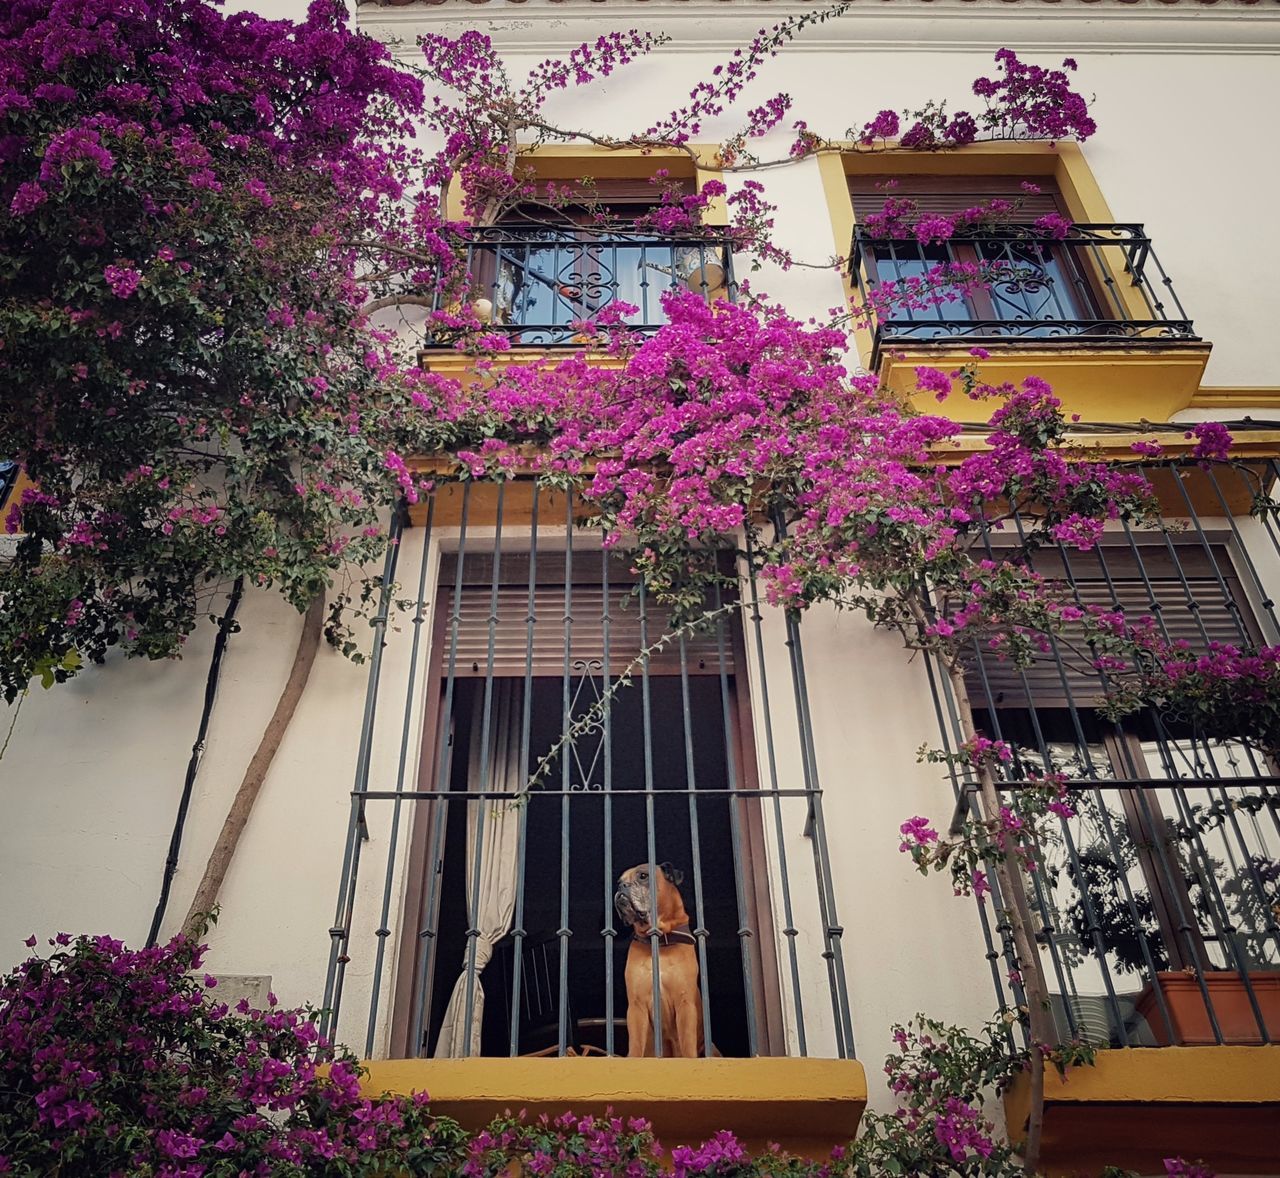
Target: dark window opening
[(667, 764), (582, 852)]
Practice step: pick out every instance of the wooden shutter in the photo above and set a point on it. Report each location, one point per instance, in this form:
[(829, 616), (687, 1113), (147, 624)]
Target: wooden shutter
[(625, 196), (587, 609), (1000, 684), (636, 190), (951, 194)]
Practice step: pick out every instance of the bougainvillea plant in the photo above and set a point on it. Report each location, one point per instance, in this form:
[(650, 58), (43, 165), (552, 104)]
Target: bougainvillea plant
[(118, 1061), (189, 372)]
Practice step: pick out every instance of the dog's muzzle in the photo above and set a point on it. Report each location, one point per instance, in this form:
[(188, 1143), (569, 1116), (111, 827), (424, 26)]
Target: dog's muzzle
[(625, 901)]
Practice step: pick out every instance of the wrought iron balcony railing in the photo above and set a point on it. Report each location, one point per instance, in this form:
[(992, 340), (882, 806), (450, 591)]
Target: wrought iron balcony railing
[(1158, 903), (1098, 284), (537, 285), (476, 912)]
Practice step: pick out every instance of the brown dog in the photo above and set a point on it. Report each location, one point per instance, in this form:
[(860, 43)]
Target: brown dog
[(681, 1014)]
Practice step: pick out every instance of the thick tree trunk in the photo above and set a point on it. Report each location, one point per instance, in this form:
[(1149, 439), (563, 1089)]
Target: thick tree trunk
[(224, 849), (1009, 875)]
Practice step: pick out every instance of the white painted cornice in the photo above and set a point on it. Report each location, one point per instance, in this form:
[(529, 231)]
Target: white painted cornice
[(1106, 26)]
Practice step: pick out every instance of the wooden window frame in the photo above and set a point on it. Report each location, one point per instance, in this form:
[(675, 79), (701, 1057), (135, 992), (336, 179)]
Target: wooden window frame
[(415, 960)]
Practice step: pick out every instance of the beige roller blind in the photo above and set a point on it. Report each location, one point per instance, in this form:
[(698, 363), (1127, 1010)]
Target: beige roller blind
[(951, 194), (1171, 583), (586, 630)]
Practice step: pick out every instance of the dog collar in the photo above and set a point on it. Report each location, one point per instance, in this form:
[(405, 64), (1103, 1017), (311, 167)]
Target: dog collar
[(680, 935)]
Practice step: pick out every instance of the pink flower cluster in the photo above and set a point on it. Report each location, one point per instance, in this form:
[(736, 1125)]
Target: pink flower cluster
[(123, 280)]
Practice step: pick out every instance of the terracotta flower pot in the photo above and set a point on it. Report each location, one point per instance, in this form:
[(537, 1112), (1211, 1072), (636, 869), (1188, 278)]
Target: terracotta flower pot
[(1231, 1007)]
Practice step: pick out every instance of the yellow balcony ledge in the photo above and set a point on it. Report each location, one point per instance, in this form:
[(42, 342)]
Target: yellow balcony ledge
[(1137, 1106), (456, 365), (1209, 495), (1139, 381), (807, 1106)]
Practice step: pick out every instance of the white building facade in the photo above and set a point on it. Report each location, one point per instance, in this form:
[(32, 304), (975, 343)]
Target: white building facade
[(819, 934)]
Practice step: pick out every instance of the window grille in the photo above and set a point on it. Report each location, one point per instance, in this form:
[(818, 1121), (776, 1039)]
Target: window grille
[(481, 876), (1168, 878)]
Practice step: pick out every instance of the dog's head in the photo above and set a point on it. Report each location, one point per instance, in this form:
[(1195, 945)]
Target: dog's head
[(636, 888)]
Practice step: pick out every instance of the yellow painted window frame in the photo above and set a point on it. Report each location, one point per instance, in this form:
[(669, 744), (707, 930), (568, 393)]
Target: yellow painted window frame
[(1064, 163), (573, 161)]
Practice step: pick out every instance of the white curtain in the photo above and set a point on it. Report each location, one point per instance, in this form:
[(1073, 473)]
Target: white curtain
[(495, 901)]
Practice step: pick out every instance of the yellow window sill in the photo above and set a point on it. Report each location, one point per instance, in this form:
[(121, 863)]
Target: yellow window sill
[(807, 1106), (1142, 381), (1137, 1106)]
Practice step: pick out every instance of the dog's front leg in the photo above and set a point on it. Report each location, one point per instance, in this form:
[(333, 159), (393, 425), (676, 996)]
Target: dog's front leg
[(639, 1030), (688, 1028)]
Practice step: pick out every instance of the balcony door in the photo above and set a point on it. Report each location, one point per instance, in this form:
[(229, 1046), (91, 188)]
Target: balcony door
[(545, 269), (1039, 288), (531, 882)]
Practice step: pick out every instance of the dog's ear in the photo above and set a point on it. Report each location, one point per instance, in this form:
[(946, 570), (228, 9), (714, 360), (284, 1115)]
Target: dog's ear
[(673, 873)]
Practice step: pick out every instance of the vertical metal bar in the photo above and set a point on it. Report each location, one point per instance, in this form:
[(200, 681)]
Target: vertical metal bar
[(444, 754), (1228, 599), (1044, 256), (731, 283), (1136, 251), (518, 930), (1246, 637), (1086, 757), (1167, 283), (1116, 309), (555, 296), (1066, 982), (649, 823), (1193, 607), (1104, 813), (1231, 941), (832, 932), (564, 932), (340, 933), (789, 931), (820, 867), (746, 934), (1085, 301), (608, 933), (1185, 929), (1185, 926), (700, 932), (644, 285), (1266, 511), (410, 700), (615, 286), (486, 723), (963, 792), (1063, 974)]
